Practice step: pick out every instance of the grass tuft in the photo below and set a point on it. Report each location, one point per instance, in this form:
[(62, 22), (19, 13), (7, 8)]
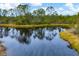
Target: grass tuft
[(71, 38)]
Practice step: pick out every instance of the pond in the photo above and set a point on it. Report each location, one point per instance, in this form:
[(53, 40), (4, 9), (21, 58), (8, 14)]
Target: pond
[(35, 42)]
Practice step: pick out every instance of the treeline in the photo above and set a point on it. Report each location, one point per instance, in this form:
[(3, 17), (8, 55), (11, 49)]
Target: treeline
[(22, 15)]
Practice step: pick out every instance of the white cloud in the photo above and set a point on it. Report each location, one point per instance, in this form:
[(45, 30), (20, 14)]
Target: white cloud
[(13, 1), (8, 5), (61, 9), (70, 6), (72, 9), (41, 1), (36, 4), (78, 9), (67, 12), (13, 5), (44, 8)]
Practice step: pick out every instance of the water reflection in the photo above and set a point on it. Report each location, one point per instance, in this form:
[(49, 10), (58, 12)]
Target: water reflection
[(40, 39), (39, 33), (1, 34), (6, 31), (23, 35)]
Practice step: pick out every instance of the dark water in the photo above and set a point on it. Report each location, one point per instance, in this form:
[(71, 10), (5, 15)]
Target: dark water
[(41, 41)]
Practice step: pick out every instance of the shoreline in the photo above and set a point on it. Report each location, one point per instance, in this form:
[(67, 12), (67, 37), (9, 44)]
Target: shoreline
[(2, 49), (36, 26), (71, 37)]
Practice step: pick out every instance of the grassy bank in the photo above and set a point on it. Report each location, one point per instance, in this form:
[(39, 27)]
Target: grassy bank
[(36, 26), (71, 38)]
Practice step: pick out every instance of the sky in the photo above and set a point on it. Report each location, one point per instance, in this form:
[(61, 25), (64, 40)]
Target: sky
[(61, 8)]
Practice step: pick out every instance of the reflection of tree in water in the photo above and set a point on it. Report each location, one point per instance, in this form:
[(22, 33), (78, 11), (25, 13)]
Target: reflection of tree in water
[(12, 36), (1, 32), (45, 33), (24, 36), (39, 33), (6, 31), (50, 33), (51, 28)]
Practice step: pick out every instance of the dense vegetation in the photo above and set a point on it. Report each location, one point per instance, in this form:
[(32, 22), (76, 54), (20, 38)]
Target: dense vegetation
[(22, 15)]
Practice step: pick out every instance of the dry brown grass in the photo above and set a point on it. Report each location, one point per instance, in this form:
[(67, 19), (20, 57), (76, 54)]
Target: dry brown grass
[(35, 26), (71, 38), (2, 49)]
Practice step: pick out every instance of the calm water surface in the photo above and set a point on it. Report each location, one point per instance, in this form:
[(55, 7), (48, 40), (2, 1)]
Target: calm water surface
[(33, 42)]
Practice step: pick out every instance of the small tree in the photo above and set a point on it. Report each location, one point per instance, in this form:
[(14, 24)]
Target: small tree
[(51, 11), (23, 9), (0, 12), (39, 12), (4, 12)]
